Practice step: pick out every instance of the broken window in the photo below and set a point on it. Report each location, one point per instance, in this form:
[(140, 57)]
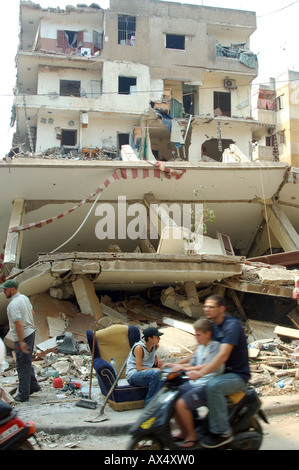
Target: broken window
[(126, 30), (70, 88), (127, 85), (69, 138), (69, 39), (226, 244), (175, 41), (222, 103), (74, 41)]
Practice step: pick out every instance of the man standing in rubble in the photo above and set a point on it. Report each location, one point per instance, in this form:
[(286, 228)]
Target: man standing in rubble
[(22, 329)]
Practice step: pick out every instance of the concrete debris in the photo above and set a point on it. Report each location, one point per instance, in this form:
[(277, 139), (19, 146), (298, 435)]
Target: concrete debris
[(53, 153), (180, 303), (273, 349), (266, 273), (274, 363), (265, 279), (46, 307)]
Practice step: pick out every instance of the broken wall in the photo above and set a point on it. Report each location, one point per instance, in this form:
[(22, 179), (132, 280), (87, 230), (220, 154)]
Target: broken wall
[(204, 131)]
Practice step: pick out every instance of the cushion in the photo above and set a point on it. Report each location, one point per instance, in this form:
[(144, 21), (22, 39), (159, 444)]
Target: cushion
[(114, 342)]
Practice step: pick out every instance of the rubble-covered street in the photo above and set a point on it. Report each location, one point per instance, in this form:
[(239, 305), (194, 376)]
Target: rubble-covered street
[(61, 424)]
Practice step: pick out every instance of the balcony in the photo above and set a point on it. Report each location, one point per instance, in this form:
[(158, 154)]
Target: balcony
[(236, 59), (265, 117), (263, 153), (124, 104)]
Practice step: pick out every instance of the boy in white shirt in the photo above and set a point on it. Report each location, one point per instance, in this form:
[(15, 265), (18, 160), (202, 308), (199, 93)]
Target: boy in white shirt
[(193, 392)]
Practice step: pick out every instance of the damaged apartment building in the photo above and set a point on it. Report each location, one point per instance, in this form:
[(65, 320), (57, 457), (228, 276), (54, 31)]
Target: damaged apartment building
[(169, 80), (139, 107)]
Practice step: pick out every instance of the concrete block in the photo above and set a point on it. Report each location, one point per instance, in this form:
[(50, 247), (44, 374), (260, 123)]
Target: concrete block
[(86, 296)]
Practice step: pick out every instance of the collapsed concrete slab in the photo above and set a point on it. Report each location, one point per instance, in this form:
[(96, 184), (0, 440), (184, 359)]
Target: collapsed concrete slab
[(264, 279), (124, 271)]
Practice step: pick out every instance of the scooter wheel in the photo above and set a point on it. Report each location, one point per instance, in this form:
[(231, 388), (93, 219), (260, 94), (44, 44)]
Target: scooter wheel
[(145, 443)]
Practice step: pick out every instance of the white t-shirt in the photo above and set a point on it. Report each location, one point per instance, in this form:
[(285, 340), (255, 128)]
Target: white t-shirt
[(20, 308)]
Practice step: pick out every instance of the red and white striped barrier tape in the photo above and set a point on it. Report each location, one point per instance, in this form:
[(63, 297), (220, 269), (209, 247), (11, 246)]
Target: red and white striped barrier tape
[(160, 171)]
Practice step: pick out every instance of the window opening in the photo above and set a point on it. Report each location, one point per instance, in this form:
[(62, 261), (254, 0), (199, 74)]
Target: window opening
[(189, 98), (280, 102), (70, 88), (73, 41), (98, 39), (122, 139), (126, 30), (281, 135), (127, 85), (175, 41), (72, 38), (222, 103), (69, 138), (270, 141)]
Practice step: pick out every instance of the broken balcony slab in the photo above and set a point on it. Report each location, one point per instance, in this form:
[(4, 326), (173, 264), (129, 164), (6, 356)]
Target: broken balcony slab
[(237, 204), (259, 278), (124, 271), (142, 270)]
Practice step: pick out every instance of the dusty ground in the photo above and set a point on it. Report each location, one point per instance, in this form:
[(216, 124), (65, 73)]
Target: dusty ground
[(44, 413)]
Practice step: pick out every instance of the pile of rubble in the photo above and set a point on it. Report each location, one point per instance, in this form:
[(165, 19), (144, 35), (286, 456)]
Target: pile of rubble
[(274, 363), (51, 360), (94, 153), (273, 350)]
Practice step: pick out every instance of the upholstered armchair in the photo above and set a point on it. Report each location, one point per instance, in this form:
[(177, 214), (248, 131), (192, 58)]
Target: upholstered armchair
[(116, 342)]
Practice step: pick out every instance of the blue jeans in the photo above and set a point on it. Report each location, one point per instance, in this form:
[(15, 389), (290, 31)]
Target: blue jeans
[(216, 390), (150, 377)]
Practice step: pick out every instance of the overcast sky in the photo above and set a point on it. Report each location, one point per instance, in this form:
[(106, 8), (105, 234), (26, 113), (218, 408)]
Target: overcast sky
[(275, 42)]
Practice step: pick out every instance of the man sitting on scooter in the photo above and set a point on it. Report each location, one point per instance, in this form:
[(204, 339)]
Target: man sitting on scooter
[(233, 352), (193, 395), (143, 364)]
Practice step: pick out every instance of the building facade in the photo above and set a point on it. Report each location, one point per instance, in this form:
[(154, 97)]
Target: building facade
[(276, 107), (140, 109), (171, 80)]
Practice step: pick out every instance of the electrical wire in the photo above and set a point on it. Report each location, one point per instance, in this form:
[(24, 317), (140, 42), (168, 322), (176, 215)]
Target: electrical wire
[(277, 11), (79, 228), (266, 213)]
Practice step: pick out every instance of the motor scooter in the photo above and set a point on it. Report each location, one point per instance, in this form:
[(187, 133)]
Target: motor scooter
[(154, 429), (14, 432)]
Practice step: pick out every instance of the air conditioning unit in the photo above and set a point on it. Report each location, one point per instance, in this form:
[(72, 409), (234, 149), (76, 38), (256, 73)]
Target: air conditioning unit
[(230, 84)]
